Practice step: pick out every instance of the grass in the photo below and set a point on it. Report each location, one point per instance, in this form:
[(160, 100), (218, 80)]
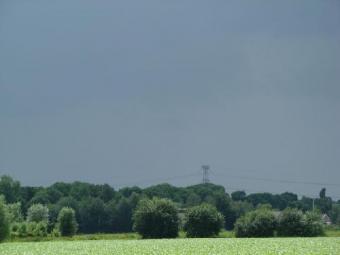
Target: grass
[(330, 232), (116, 236), (216, 246)]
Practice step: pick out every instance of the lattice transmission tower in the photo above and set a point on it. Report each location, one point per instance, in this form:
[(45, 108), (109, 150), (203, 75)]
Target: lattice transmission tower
[(205, 172)]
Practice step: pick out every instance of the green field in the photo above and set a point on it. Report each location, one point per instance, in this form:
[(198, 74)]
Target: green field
[(260, 246)]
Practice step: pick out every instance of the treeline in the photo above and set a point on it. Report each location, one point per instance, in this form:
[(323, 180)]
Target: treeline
[(101, 208)]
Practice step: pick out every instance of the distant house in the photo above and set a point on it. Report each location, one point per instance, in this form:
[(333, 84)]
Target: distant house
[(326, 220)]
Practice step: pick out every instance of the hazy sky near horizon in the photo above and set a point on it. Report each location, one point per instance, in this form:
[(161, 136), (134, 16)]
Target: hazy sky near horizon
[(143, 92)]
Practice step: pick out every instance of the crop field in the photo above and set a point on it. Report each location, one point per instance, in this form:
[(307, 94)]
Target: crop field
[(289, 246)]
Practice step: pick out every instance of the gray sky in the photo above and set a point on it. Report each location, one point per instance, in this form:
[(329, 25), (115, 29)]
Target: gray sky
[(138, 92)]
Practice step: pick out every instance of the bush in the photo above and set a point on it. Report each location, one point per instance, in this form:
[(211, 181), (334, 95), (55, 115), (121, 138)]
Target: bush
[(4, 223), (258, 223), (39, 229), (314, 225), (37, 213), (203, 221), (291, 223), (67, 223), (156, 218), (19, 230), (55, 233), (29, 229)]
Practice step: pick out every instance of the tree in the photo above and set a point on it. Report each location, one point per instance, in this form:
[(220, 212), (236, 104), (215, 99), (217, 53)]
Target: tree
[(193, 200), (4, 222), (291, 223), (258, 223), (67, 223), (238, 195), (238, 209), (10, 189), (38, 213), (313, 224), (322, 193), (324, 203), (40, 197), (106, 193), (93, 217), (63, 202), (123, 217), (335, 214), (156, 218), (203, 221), (223, 204), (14, 212)]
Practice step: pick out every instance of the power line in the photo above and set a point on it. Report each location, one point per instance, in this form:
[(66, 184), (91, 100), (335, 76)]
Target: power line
[(149, 181), (277, 180), (261, 191)]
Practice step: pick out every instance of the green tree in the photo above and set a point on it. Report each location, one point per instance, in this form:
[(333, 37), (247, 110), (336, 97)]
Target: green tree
[(223, 204), (335, 214), (291, 223), (238, 195), (238, 209), (67, 223), (193, 200), (313, 224), (92, 215), (322, 193), (14, 212), (4, 222), (38, 213), (10, 189), (203, 221), (156, 218), (258, 223)]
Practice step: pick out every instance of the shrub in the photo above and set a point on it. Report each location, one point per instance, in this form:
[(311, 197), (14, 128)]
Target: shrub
[(67, 223), (37, 213), (291, 223), (40, 229), (258, 223), (29, 229), (22, 229), (203, 221), (55, 232), (314, 225), (156, 218), (4, 223)]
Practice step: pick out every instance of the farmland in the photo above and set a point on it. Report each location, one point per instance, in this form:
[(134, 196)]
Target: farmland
[(282, 246)]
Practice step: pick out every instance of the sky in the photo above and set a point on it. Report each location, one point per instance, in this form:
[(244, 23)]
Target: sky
[(145, 92)]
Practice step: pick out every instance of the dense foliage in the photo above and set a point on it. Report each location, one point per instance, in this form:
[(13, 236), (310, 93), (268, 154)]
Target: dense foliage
[(38, 213), (258, 223), (4, 222), (293, 222), (203, 221), (67, 224), (29, 229), (156, 218), (100, 208)]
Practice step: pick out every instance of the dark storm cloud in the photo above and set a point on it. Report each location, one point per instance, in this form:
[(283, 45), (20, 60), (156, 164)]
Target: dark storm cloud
[(130, 92)]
